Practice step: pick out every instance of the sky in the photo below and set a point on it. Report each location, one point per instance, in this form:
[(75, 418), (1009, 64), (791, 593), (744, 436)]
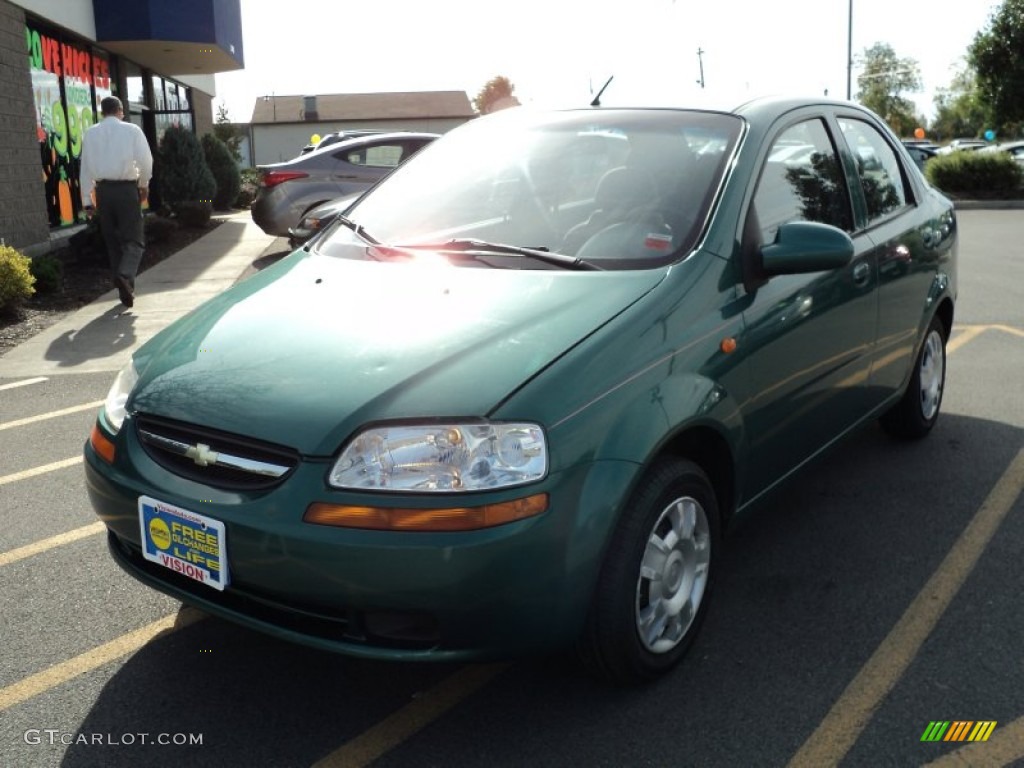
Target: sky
[(558, 52)]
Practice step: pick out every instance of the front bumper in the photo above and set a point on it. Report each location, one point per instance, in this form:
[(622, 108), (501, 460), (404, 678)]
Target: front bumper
[(518, 588)]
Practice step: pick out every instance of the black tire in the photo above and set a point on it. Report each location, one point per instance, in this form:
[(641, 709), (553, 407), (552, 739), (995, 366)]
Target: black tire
[(917, 411), (623, 642)]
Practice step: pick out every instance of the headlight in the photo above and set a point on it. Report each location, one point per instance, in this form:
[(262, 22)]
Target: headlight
[(442, 457), (113, 408)]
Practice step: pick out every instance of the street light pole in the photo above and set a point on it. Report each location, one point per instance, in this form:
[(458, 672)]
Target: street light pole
[(700, 59), (849, 53)]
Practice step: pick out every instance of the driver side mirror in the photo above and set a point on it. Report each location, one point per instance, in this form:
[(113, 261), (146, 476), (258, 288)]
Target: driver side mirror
[(806, 246)]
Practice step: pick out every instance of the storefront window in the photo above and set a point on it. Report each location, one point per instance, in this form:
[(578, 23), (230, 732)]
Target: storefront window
[(175, 109), (159, 100), (68, 80), (136, 88)]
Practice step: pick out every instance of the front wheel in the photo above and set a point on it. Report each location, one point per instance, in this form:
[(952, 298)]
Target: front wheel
[(653, 590), (916, 413)]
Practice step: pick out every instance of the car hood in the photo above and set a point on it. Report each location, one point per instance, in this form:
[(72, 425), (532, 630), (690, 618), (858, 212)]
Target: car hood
[(307, 351)]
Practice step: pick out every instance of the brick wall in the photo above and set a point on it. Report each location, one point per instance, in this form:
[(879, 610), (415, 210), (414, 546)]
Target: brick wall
[(23, 219)]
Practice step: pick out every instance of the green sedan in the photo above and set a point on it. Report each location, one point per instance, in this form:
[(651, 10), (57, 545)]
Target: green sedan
[(509, 402)]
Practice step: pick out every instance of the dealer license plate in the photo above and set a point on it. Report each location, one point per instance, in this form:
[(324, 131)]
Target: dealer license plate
[(186, 542)]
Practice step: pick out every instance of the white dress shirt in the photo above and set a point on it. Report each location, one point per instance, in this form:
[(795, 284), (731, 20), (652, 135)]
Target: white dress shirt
[(114, 149)]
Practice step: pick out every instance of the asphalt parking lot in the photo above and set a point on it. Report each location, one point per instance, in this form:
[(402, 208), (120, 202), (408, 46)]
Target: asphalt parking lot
[(875, 596)]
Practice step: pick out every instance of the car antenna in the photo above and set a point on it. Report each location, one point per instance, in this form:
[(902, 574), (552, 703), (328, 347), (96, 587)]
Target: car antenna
[(597, 99)]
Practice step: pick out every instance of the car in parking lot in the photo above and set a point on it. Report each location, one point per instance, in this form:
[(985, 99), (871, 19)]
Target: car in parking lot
[(1013, 148), (960, 145), (335, 137), (920, 154), (288, 190), (318, 218), (509, 400)]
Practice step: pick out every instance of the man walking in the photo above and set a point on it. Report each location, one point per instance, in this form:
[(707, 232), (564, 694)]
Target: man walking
[(116, 159)]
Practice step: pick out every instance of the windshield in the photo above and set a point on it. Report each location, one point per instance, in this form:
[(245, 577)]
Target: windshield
[(615, 189)]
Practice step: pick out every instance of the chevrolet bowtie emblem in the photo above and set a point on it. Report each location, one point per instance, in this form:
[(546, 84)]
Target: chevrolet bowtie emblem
[(201, 455)]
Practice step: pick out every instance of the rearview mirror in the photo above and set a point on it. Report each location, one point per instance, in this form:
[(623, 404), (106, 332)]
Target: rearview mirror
[(806, 246)]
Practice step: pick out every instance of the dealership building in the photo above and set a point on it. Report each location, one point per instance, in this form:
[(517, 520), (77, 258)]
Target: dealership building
[(59, 58)]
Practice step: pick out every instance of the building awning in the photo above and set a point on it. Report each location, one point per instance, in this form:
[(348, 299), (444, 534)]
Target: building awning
[(189, 37)]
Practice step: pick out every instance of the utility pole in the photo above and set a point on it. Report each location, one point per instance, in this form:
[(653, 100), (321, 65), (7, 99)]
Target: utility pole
[(700, 60)]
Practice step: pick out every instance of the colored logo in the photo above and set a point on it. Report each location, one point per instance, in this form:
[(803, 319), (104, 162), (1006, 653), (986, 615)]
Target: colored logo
[(958, 730), (159, 533)]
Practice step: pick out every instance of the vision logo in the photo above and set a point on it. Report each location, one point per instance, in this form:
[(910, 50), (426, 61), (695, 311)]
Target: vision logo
[(958, 730)]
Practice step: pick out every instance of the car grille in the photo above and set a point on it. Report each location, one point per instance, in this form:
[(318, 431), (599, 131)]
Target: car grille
[(338, 624), (212, 457)]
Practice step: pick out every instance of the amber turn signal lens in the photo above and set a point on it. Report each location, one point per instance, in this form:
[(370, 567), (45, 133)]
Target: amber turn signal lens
[(102, 444), (448, 519)]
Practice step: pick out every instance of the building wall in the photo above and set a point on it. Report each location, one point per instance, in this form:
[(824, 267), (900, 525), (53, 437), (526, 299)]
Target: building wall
[(202, 108), (283, 141), (23, 219), (74, 15)]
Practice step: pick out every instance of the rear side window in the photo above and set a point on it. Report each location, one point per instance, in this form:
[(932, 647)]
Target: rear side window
[(801, 181), (879, 170), (376, 155)]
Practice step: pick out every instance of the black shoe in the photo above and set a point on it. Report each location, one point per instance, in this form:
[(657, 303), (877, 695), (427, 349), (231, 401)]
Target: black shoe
[(124, 290)]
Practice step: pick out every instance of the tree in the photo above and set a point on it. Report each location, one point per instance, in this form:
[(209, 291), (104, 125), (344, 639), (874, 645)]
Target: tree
[(185, 183), (496, 94), (959, 110), (224, 170), (228, 132), (884, 79), (997, 56)]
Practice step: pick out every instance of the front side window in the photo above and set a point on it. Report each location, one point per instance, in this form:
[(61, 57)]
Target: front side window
[(624, 189), (878, 168), (802, 180)]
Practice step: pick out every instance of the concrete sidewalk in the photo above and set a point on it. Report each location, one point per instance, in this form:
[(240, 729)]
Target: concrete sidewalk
[(101, 336)]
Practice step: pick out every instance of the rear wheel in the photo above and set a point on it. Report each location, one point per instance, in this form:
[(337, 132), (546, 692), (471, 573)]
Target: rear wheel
[(656, 579), (916, 413)]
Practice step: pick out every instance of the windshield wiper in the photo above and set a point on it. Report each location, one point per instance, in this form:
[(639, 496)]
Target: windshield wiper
[(337, 218), (359, 229), (472, 247)]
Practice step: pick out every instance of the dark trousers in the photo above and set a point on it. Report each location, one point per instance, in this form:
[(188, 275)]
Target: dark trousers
[(120, 211)]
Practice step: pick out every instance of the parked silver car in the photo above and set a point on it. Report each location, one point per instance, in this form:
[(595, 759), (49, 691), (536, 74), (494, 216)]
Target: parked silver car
[(318, 218), (290, 189)]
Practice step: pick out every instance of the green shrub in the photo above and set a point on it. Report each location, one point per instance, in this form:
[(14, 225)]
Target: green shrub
[(250, 185), (181, 171), (195, 214), (980, 174), (159, 228), (225, 172), (48, 272), (16, 280)]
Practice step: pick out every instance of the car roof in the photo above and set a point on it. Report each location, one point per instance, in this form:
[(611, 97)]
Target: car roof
[(375, 138)]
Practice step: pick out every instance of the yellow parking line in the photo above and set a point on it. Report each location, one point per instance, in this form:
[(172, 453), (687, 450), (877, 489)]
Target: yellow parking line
[(967, 334), (841, 728), (393, 730), (14, 555), (50, 415), (1004, 747), (86, 662), (40, 470), (1010, 329), (23, 383)]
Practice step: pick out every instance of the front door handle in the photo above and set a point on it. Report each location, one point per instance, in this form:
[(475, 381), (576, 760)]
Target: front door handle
[(861, 274)]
